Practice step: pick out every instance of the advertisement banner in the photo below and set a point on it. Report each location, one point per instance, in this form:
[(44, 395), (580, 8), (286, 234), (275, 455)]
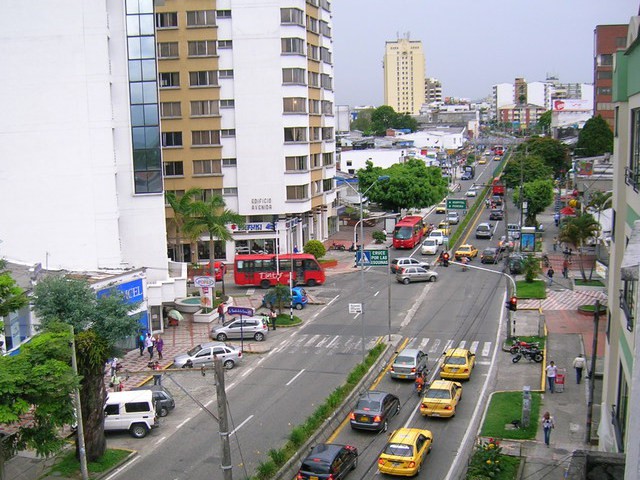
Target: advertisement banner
[(571, 105)]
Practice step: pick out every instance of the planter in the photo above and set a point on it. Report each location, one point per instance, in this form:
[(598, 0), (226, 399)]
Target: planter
[(201, 317), (588, 288), (589, 310), (188, 304)]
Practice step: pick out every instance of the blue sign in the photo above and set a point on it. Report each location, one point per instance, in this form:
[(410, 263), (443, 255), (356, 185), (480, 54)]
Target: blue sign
[(246, 311), (133, 291)]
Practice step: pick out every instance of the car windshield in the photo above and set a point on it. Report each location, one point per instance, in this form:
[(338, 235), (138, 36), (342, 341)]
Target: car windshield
[(228, 322), (398, 450), (194, 350), (403, 233), (438, 393), (455, 361), (368, 405), (429, 243), (405, 360)]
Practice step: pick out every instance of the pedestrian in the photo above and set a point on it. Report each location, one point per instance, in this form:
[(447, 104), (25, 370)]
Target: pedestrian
[(148, 344), (159, 346), (141, 338), (552, 371), (579, 363), (273, 315), (221, 312), (556, 219), (157, 377), (547, 425), (565, 268), (116, 382), (555, 244), (550, 273), (295, 249)]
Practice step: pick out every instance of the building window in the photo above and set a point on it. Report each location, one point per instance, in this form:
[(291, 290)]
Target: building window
[(327, 184), (224, 44), (169, 79), (227, 103), (207, 167), (325, 5), (327, 133), (204, 108), (621, 42), (604, 75), (202, 48), (293, 76), (605, 59), (228, 133), (315, 134), (627, 301), (173, 169), (205, 137), (230, 191), (291, 16), (166, 20), (327, 159), (603, 91), (297, 192), (223, 13), (621, 409), (315, 160), (312, 25), (168, 50), (325, 55), (327, 107), (326, 81), (314, 107), (225, 73), (295, 134), (294, 105), (292, 46), (325, 29), (296, 164), (229, 162), (208, 193), (632, 172), (201, 18), (313, 52), (171, 139), (170, 110), (207, 78), (314, 79)]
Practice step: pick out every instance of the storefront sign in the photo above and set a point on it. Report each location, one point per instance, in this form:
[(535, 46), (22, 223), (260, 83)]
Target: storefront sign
[(133, 291), (254, 227)]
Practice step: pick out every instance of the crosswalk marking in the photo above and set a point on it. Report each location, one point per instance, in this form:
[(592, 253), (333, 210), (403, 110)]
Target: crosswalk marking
[(474, 346), (447, 345), (462, 344), (434, 347), (486, 349), (312, 340), (423, 344)]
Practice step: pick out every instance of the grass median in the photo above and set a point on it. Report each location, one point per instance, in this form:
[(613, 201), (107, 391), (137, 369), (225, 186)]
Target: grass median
[(505, 408)]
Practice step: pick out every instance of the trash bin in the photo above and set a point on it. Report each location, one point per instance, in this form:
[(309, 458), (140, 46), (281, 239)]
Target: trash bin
[(560, 378)]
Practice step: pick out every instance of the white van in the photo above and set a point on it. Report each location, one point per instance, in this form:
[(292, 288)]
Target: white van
[(133, 411)]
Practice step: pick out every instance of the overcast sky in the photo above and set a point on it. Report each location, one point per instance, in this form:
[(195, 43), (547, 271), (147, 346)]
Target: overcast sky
[(469, 45)]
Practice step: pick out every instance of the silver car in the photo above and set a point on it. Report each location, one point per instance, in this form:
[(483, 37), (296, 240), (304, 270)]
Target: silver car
[(409, 363), (416, 274), (247, 328), (203, 355)]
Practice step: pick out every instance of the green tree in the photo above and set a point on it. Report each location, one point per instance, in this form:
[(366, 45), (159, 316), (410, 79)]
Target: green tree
[(315, 248), (554, 153), (181, 206), (12, 297), (405, 121), (532, 268), (576, 231), (211, 217), (98, 324), (596, 138), (544, 123), (279, 296), (411, 185), (538, 195), (38, 381), (529, 168), (383, 118), (363, 122), (599, 201)]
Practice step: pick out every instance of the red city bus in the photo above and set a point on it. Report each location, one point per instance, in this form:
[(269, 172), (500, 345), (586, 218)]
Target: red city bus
[(408, 232), (259, 269), (497, 187), (498, 150)]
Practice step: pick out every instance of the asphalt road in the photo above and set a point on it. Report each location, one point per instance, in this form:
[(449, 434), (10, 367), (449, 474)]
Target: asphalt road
[(270, 394)]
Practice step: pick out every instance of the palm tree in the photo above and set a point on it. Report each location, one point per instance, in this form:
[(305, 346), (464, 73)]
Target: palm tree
[(181, 206), (210, 216), (576, 231), (599, 202)]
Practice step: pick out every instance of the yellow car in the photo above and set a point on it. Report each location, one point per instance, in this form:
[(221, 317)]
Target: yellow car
[(482, 160), (445, 227), (457, 364), (468, 251), (441, 399), (442, 207), (405, 452)]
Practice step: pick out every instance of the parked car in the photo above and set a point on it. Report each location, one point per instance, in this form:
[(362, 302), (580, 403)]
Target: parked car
[(405, 452), (453, 218), (204, 355), (484, 230), (373, 411), (134, 411), (245, 327), (299, 299), (409, 363), (328, 461), (398, 264), (513, 230), (429, 247), (491, 255), (162, 398), (496, 214), (416, 274), (439, 236)]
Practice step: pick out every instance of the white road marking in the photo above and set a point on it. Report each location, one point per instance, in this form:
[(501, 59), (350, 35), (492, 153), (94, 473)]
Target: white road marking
[(434, 347), (462, 344), (447, 345), (376, 294), (474, 346), (160, 440), (483, 362), (240, 426), (296, 376), (332, 343), (313, 340), (121, 469), (182, 423), (486, 348), (423, 344)]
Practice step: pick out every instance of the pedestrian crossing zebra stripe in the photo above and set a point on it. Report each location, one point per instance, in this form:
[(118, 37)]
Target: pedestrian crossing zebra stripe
[(563, 300)]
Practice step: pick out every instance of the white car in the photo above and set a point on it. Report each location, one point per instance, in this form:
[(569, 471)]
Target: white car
[(453, 218), (438, 236), (429, 247), (470, 193)]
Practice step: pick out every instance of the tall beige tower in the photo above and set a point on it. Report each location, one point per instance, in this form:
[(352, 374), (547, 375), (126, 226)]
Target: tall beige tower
[(404, 74)]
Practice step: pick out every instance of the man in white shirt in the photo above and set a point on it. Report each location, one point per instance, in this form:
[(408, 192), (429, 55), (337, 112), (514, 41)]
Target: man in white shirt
[(552, 370), (579, 363)]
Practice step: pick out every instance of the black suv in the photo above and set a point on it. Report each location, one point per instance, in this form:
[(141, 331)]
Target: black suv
[(161, 397), (328, 461), (496, 214)]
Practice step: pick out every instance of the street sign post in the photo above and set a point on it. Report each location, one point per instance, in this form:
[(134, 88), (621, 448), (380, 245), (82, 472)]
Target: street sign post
[(246, 311), (373, 258), (457, 204), (355, 308)]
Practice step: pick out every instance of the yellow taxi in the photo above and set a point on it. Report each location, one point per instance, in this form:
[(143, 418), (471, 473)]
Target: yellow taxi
[(468, 251), (405, 452), (441, 399), (457, 364), (445, 227), (442, 207), (482, 160)]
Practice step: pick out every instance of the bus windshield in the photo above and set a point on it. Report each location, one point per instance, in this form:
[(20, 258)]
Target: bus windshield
[(403, 233)]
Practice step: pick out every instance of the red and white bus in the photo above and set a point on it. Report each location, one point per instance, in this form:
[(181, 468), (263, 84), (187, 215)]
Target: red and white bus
[(498, 150), (408, 232), (260, 269), (497, 187)]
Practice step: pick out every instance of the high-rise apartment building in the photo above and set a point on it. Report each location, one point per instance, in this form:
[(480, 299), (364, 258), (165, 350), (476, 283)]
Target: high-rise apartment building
[(404, 74), (247, 111), (607, 39), (432, 91)]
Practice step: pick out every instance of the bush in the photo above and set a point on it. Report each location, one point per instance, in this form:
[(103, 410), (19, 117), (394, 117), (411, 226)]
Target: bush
[(531, 268), (379, 236), (315, 248), (486, 460)]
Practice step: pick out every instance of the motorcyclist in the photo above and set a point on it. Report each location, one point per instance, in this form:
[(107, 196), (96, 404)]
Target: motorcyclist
[(419, 383), (464, 261)]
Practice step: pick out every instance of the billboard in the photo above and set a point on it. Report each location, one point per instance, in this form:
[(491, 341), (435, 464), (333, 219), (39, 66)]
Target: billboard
[(571, 105)]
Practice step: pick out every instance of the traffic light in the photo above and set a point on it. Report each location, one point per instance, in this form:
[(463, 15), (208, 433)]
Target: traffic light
[(445, 259), (512, 304)]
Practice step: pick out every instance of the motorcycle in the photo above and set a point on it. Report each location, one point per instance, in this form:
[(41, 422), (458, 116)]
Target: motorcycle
[(517, 345), (421, 385), (531, 354), (354, 247), (337, 246)]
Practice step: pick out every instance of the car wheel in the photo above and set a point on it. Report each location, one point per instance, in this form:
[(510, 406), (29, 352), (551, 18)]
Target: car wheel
[(138, 430), (385, 426), (312, 282), (355, 463), (406, 281), (264, 284), (258, 337), (163, 412), (221, 337), (432, 279), (229, 364), (299, 306)]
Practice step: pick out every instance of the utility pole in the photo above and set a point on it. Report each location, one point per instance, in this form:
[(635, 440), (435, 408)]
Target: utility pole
[(82, 451), (225, 449), (591, 375)]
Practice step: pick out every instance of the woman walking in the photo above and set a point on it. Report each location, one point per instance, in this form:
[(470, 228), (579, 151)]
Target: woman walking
[(547, 425)]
